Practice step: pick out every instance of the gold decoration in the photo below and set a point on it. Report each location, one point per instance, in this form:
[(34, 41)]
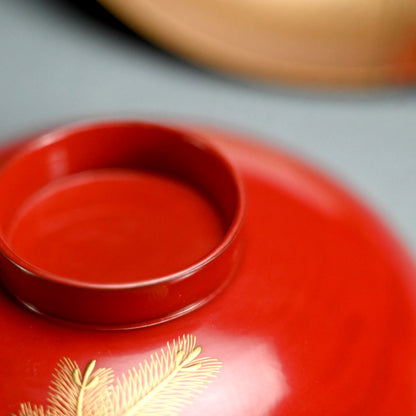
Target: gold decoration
[(160, 386)]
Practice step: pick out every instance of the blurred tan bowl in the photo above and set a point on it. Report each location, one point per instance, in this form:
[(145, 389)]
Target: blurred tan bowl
[(302, 41)]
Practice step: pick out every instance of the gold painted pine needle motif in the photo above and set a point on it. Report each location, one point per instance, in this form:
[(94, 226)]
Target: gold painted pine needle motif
[(160, 386)]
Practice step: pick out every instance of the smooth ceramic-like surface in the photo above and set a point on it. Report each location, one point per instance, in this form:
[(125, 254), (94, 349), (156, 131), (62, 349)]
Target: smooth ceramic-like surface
[(320, 317)]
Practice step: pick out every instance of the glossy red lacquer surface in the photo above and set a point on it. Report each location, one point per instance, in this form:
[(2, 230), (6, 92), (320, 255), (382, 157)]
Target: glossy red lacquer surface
[(131, 222), (67, 229), (319, 318)]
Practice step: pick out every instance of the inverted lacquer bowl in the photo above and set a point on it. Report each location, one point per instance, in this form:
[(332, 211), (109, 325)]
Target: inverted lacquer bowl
[(159, 270)]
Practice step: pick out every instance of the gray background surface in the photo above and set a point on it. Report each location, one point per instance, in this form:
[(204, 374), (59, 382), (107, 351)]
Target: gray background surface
[(62, 60)]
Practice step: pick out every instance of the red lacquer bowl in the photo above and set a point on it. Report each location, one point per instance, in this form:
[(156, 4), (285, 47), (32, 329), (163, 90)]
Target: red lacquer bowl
[(153, 270)]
